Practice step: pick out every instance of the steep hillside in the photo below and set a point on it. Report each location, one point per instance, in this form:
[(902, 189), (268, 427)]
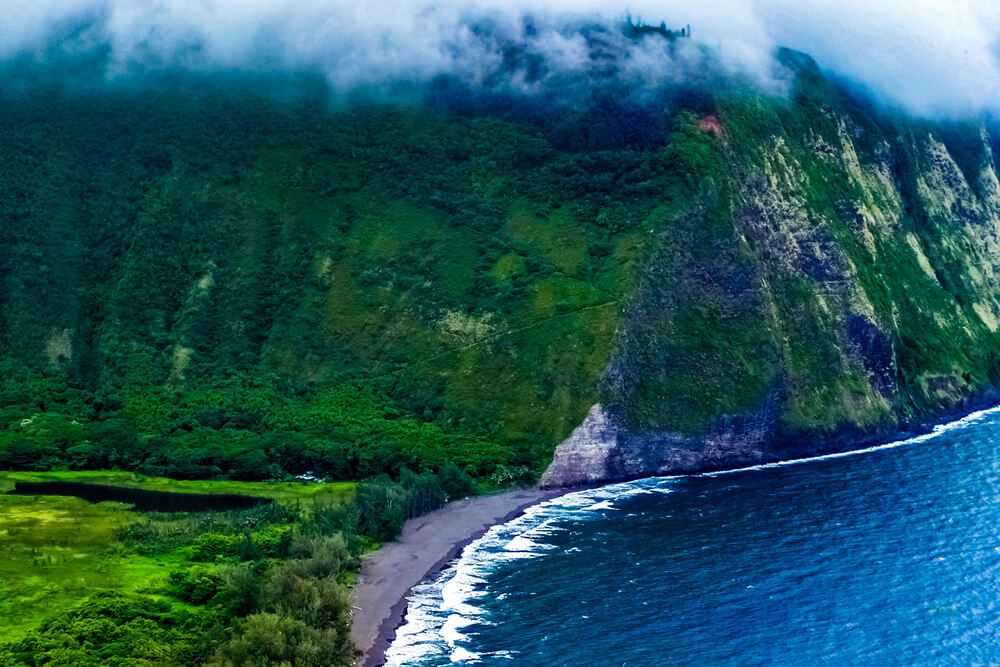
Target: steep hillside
[(198, 279), (835, 284)]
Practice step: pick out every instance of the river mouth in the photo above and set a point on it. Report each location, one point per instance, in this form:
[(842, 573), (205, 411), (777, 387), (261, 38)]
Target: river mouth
[(142, 500)]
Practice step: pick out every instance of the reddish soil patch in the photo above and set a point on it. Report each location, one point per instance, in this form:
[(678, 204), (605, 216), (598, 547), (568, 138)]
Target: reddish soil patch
[(711, 125)]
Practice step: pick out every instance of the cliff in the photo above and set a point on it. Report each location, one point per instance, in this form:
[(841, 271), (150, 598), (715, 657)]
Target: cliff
[(202, 279), (848, 295)]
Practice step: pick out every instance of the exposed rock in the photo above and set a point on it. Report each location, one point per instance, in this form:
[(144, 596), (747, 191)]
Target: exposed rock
[(59, 346), (584, 456), (602, 449), (874, 347)]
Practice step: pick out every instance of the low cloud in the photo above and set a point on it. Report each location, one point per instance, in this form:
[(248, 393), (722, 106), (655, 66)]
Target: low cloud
[(932, 58)]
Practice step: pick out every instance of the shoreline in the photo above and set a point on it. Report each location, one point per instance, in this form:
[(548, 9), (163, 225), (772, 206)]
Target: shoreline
[(389, 574)]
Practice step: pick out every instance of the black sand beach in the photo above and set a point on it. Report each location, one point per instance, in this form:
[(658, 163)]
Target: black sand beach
[(426, 546)]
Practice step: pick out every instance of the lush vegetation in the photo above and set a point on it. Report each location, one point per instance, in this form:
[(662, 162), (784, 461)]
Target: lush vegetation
[(200, 281), (199, 292), (251, 587)]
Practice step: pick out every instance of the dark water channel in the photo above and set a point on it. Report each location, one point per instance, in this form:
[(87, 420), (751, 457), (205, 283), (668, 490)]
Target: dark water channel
[(142, 499)]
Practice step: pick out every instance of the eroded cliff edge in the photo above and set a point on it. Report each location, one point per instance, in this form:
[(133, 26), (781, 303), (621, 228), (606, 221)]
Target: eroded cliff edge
[(602, 450), (734, 274), (835, 285)]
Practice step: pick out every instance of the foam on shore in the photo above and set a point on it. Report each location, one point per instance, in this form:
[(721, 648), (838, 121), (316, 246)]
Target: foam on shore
[(441, 612)]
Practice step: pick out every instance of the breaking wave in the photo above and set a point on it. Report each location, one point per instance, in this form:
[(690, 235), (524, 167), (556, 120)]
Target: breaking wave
[(440, 610)]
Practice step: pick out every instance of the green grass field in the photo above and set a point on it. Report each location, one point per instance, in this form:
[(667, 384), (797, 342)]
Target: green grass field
[(57, 551), (283, 492)]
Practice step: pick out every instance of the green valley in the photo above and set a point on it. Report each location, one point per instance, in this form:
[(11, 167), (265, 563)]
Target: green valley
[(230, 282)]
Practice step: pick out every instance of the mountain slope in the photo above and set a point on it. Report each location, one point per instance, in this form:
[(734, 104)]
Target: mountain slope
[(198, 279)]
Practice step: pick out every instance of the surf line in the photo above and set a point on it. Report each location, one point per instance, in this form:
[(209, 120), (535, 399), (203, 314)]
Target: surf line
[(439, 609)]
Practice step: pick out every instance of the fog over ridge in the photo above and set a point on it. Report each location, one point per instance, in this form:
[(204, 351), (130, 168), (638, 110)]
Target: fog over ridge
[(930, 57)]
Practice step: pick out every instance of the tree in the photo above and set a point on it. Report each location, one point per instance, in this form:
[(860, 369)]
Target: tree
[(268, 639)]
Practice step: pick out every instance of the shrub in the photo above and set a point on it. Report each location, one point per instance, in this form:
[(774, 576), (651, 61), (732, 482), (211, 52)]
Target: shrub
[(213, 546), (272, 540), (240, 588), (197, 584), (383, 508), (454, 481), (269, 638)]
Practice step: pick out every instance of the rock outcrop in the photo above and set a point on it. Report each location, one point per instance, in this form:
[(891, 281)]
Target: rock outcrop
[(602, 449)]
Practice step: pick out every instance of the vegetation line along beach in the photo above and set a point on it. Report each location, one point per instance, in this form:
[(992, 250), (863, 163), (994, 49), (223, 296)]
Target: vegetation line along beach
[(426, 545), (366, 277)]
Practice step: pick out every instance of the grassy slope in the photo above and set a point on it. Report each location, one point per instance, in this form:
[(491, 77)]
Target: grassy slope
[(57, 551), (221, 284)]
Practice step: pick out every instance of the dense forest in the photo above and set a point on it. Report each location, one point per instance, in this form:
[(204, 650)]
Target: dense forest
[(201, 279), (241, 276), (245, 276)]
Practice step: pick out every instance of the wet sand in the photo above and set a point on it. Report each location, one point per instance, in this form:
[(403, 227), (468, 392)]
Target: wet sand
[(427, 545)]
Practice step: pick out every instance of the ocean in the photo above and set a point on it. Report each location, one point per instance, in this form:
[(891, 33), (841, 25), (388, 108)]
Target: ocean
[(889, 555)]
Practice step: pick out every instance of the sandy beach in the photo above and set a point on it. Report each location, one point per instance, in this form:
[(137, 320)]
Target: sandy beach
[(427, 545)]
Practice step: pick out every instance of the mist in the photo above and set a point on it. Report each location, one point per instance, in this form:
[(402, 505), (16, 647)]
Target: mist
[(929, 58)]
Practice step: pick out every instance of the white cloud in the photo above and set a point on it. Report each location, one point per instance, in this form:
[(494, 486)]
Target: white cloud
[(932, 57), (929, 56)]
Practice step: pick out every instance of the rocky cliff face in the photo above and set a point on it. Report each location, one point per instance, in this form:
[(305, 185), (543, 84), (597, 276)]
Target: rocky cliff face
[(201, 280), (851, 292), (602, 449)]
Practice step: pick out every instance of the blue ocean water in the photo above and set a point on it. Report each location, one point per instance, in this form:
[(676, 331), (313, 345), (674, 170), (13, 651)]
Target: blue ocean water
[(889, 556)]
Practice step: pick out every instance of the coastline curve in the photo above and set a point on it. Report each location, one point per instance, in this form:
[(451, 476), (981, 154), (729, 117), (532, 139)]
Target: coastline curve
[(442, 602)]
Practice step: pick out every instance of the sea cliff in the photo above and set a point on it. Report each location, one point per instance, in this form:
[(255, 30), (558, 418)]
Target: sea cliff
[(199, 279)]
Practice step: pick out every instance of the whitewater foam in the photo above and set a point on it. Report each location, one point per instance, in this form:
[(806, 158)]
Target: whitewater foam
[(439, 611), (969, 420)]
